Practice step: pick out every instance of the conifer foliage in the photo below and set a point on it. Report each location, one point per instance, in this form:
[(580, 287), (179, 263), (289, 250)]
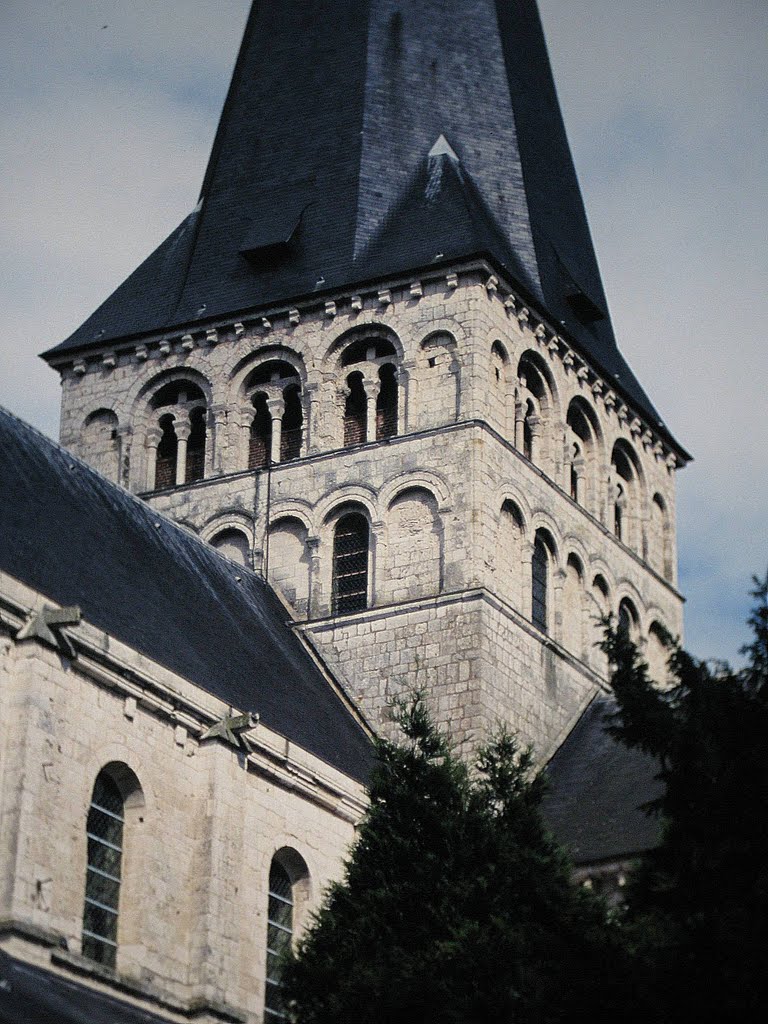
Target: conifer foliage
[(697, 906), (456, 906)]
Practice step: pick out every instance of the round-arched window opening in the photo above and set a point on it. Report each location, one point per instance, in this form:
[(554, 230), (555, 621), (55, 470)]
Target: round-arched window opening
[(350, 564)]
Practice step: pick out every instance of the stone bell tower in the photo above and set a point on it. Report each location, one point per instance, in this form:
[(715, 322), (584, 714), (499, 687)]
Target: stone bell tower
[(376, 363)]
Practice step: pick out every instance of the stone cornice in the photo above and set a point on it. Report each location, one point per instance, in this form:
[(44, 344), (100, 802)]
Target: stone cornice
[(259, 326)]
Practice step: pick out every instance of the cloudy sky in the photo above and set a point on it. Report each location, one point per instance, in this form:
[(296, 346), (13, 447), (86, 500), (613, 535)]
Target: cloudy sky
[(110, 109)]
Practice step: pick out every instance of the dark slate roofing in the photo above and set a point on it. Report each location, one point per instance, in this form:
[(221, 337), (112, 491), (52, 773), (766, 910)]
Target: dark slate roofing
[(323, 143), (73, 536), (597, 787), (32, 995)]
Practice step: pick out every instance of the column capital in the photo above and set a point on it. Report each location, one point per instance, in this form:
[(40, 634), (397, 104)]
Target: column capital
[(182, 429), (371, 388), (153, 437), (276, 407)]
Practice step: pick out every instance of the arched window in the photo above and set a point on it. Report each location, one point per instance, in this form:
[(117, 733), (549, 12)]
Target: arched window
[(179, 409), (369, 364), (583, 444), (659, 540), (600, 610), (274, 389), (260, 436), (626, 494), (534, 409), (627, 619), (106, 817), (573, 605), (350, 564), (540, 584), (279, 938), (355, 411), (386, 403)]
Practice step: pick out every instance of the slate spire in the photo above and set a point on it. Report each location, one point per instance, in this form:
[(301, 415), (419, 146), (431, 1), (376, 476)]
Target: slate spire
[(320, 178)]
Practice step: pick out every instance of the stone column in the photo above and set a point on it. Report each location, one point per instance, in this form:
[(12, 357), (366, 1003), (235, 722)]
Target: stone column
[(405, 400), (526, 578), (311, 407), (151, 441), (534, 422), (580, 471), (182, 429), (124, 435), (238, 459), (315, 602), (371, 388), (377, 558), (520, 409), (276, 407), (556, 624), (218, 445)]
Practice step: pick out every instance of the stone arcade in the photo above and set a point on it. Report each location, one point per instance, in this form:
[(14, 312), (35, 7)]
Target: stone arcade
[(375, 367)]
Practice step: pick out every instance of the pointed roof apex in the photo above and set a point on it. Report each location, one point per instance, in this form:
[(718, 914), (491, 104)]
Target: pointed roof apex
[(443, 148)]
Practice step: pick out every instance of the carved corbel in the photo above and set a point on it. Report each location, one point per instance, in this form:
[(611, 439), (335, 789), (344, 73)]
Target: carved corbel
[(46, 625), (232, 729)]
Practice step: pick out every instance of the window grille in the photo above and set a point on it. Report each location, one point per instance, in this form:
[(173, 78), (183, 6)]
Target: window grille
[(386, 404), (165, 467), (196, 447), (279, 936), (540, 573), (350, 564), (102, 886), (355, 412)]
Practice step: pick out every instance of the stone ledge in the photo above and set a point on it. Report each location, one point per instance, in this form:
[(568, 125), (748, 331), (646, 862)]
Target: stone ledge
[(194, 1009)]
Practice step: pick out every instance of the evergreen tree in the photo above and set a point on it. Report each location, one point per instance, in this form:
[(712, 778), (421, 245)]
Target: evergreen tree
[(697, 913), (456, 906)]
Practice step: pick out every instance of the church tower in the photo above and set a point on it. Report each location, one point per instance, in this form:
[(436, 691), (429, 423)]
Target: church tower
[(376, 364)]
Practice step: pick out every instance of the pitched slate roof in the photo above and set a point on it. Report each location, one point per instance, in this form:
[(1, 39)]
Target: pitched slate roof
[(323, 146), (32, 995), (70, 534), (597, 789)]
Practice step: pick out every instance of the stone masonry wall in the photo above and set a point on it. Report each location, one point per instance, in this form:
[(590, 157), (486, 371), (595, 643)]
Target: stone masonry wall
[(198, 845), (501, 435)]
